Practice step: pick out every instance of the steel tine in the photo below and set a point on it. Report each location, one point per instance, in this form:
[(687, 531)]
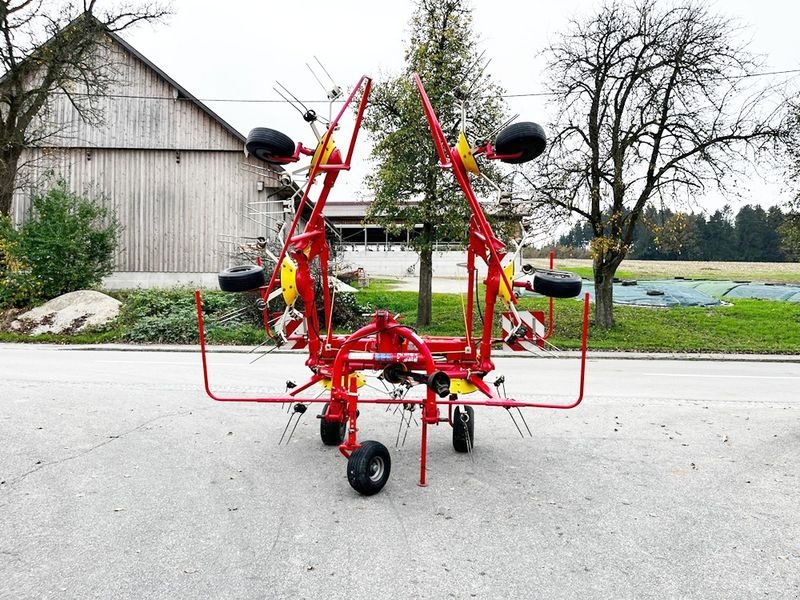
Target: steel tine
[(231, 316), (468, 438), (410, 416), (292, 104), (325, 70), (324, 90), (264, 343), (402, 424), (263, 354), (510, 414), (400, 429), (521, 416), (295, 98), (296, 423), (477, 77), (285, 429)]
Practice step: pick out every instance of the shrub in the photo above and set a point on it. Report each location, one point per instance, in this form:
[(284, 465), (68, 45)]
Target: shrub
[(169, 316), (348, 312), (17, 284), (68, 241)]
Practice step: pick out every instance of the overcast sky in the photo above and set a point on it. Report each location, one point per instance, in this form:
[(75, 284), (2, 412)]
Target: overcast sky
[(235, 50)]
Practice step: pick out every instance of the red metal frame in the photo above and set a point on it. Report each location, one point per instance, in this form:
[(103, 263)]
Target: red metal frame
[(385, 341)]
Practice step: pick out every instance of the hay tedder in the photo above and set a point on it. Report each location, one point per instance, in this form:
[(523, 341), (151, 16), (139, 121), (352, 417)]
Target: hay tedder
[(447, 374)]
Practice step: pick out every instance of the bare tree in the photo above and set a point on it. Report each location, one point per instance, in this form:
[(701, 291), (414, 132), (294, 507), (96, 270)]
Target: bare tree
[(49, 47), (654, 102), (790, 228)]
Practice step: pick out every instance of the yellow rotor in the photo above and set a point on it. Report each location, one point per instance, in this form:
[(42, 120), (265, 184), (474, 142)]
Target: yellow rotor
[(465, 152), (504, 292), (359, 379)]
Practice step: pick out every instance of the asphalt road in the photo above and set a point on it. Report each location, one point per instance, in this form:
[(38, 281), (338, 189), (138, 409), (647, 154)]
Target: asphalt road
[(121, 479)]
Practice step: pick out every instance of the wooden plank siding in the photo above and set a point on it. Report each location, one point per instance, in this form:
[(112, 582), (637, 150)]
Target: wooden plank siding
[(171, 169), (142, 110), (174, 214)]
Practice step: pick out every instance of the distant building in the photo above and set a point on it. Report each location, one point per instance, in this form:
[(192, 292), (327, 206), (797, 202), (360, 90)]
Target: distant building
[(347, 220), (171, 168)]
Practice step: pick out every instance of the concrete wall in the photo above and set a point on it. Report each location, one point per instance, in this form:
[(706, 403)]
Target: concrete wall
[(128, 280)]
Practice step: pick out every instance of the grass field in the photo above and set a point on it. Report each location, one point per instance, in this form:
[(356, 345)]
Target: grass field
[(745, 326), (663, 269)]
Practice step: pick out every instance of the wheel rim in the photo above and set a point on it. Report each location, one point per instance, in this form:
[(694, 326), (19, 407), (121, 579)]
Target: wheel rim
[(376, 469)]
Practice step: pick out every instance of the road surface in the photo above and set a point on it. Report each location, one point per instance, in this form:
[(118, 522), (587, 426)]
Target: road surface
[(121, 479)]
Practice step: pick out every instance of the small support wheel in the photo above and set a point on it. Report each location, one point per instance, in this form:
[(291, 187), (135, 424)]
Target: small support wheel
[(269, 145), (464, 429), (242, 278), (525, 138), (368, 468), (556, 284), (331, 432)]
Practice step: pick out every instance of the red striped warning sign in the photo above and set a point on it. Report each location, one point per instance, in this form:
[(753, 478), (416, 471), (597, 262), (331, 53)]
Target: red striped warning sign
[(525, 335), (296, 334)]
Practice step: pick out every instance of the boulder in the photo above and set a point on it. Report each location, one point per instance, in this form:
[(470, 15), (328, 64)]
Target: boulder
[(69, 313)]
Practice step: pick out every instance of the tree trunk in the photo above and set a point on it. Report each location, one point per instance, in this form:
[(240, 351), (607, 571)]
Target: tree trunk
[(605, 266), (425, 277), (8, 177)]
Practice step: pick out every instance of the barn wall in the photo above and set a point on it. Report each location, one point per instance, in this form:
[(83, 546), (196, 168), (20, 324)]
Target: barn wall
[(141, 111), (176, 208)]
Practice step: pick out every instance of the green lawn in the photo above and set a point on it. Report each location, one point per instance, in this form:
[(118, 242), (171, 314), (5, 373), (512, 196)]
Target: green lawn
[(746, 326), (663, 269)]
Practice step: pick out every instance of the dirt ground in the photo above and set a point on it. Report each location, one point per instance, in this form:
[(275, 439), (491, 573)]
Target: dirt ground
[(7, 316)]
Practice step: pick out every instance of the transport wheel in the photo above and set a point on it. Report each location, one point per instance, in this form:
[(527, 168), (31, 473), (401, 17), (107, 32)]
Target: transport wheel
[(368, 468), (525, 137), (463, 431), (269, 145), (242, 278), (331, 432), (556, 284)]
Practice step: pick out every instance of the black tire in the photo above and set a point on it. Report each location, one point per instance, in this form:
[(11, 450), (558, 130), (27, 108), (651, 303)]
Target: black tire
[(556, 284), (368, 468), (269, 145), (331, 432), (242, 278), (461, 430), (525, 137)]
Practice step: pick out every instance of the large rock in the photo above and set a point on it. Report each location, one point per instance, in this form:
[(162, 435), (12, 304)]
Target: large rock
[(69, 313)]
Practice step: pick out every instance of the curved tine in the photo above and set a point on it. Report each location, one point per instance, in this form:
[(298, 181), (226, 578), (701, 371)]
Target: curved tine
[(333, 83), (471, 87), (325, 91), (295, 98), (292, 104)]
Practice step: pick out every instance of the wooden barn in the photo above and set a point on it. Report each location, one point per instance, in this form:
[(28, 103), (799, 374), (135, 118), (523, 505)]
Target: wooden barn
[(172, 169)]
